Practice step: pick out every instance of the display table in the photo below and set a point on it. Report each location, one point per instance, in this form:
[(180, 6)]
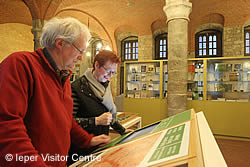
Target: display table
[(181, 140), (132, 120)]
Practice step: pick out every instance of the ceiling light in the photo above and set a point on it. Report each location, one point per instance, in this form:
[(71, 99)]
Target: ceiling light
[(108, 48), (88, 54), (130, 3), (99, 45)]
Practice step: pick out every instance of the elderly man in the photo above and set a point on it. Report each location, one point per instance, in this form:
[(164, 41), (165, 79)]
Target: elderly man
[(35, 99)]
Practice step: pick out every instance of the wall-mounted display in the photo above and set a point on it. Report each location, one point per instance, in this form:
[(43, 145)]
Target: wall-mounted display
[(195, 80), (142, 80), (228, 80), (220, 79)]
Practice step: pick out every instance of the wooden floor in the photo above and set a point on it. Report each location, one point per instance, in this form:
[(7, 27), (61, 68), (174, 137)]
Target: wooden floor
[(236, 153)]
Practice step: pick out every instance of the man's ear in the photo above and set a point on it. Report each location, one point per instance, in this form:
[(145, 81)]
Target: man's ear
[(59, 43)]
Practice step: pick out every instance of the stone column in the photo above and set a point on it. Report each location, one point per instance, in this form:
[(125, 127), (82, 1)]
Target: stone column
[(36, 31), (177, 12)]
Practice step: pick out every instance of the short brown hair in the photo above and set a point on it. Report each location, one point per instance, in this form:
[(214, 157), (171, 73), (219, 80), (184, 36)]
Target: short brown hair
[(106, 55)]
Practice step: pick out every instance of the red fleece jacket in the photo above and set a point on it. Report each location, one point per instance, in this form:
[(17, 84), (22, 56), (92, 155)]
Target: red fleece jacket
[(35, 113)]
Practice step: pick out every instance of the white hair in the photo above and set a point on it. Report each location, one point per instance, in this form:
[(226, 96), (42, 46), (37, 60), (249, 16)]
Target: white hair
[(67, 29)]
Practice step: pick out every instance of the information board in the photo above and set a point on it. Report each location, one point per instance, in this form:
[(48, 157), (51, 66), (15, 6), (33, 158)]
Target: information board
[(172, 144), (163, 124), (148, 150)]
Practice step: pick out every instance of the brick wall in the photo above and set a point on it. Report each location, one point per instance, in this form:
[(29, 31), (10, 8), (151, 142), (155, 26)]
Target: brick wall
[(231, 14), (145, 47), (233, 41)]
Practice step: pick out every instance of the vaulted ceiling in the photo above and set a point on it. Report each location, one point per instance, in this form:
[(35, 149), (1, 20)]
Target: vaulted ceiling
[(107, 17), (104, 17)]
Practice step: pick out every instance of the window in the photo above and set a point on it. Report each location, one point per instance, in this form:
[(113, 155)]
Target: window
[(161, 47), (130, 49), (246, 41), (97, 46), (208, 43)]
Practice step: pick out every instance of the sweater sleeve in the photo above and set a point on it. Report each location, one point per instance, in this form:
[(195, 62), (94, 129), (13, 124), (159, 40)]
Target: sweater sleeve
[(79, 136), (15, 92)]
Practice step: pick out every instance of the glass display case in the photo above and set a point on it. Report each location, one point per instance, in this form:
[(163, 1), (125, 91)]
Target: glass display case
[(142, 79), (195, 80), (220, 87), (228, 80), (217, 79)]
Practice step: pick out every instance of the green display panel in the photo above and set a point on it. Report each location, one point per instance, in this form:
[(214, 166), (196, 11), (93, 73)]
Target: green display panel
[(173, 120), (170, 144)]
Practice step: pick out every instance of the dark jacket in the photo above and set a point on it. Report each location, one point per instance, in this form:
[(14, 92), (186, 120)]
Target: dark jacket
[(89, 107)]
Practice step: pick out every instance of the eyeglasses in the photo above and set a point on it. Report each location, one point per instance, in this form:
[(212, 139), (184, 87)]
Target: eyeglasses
[(80, 51), (109, 71)]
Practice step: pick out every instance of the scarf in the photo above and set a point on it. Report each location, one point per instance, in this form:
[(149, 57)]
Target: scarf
[(102, 93)]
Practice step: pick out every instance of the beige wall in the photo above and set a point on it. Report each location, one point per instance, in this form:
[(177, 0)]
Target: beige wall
[(233, 41), (145, 47), (15, 37)]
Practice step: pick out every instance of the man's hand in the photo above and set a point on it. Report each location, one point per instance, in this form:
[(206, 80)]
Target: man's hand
[(104, 119), (101, 140)]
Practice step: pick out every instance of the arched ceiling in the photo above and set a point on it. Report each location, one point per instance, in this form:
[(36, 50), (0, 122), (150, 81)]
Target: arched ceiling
[(105, 17), (14, 11)]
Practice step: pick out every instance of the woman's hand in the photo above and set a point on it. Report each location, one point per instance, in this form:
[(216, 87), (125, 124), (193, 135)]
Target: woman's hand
[(104, 119)]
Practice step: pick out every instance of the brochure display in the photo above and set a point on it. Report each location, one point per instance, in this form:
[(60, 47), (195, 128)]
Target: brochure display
[(220, 87), (228, 80), (195, 80), (216, 79), (143, 80)]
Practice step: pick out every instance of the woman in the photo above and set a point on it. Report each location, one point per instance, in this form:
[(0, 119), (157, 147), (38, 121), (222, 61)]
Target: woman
[(94, 108)]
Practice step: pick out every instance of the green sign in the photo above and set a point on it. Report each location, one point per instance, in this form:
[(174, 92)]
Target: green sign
[(170, 144), (173, 120)]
